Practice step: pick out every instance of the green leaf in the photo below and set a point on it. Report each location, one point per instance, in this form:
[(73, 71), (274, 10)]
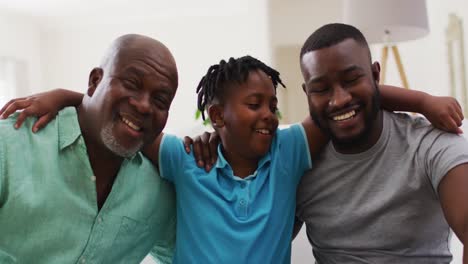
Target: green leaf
[(197, 114)]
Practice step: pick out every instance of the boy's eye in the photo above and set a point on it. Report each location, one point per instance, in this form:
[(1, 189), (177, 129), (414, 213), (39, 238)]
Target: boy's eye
[(274, 109), (253, 106)]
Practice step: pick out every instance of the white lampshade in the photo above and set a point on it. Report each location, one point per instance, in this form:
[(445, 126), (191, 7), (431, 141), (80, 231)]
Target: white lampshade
[(402, 20)]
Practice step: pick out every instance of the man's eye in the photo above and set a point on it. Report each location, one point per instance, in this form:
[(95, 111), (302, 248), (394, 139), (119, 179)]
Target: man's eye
[(160, 102), (352, 79), (132, 85), (318, 90)]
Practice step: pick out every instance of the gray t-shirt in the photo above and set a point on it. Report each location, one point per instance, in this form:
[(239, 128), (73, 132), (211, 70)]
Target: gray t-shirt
[(382, 205)]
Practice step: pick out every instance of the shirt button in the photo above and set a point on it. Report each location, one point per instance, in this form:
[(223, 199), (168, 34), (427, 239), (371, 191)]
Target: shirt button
[(243, 185), (83, 260), (99, 219), (93, 178), (242, 202)]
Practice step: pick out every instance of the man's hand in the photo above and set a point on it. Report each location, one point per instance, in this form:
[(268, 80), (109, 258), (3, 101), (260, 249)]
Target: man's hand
[(205, 149)]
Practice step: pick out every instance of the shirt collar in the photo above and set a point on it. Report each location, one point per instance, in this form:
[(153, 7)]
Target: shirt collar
[(222, 163), (70, 133)]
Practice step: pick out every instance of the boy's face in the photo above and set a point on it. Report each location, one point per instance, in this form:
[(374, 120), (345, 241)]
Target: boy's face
[(249, 117), (341, 88)]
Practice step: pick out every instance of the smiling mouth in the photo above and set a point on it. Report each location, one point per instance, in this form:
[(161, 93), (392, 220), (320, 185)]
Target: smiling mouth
[(263, 131), (345, 116), (130, 124)]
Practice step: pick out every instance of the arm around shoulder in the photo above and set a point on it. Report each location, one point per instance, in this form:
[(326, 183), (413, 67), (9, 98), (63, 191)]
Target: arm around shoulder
[(315, 137)]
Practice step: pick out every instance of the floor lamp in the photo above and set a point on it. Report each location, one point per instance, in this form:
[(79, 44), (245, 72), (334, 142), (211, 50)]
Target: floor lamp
[(388, 22)]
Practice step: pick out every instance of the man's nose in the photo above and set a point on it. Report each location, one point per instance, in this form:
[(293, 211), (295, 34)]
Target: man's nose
[(340, 97), (142, 103)]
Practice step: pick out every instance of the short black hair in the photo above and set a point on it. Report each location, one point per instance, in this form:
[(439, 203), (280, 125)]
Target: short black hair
[(235, 71), (331, 34)]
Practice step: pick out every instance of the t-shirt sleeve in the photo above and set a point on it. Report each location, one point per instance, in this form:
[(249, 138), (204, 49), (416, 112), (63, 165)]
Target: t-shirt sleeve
[(441, 152), (172, 156), (295, 149)]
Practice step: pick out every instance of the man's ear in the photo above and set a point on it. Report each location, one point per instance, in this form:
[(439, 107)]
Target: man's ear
[(304, 88), (95, 77), (215, 112), (375, 68)]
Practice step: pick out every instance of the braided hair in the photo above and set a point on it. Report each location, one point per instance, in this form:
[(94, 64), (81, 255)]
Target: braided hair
[(219, 76)]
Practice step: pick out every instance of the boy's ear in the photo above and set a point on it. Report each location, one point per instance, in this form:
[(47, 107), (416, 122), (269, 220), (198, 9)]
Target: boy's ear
[(95, 77), (215, 112)]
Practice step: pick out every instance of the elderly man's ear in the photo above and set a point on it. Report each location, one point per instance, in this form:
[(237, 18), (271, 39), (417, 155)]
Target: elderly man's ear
[(95, 77)]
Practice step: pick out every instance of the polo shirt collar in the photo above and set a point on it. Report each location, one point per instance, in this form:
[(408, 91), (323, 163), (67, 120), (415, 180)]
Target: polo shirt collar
[(222, 163)]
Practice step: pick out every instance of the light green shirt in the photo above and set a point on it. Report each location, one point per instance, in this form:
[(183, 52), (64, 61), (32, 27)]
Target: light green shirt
[(48, 202)]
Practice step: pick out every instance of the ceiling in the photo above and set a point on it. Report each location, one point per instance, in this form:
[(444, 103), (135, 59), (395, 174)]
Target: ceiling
[(53, 11)]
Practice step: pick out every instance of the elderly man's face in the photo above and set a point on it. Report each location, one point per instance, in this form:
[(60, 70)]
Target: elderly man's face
[(134, 100)]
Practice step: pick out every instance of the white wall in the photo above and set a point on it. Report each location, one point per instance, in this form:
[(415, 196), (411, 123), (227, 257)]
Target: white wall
[(196, 43), (20, 40)]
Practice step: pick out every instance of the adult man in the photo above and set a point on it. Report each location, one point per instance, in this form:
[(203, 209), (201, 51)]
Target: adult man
[(388, 186), (79, 190)]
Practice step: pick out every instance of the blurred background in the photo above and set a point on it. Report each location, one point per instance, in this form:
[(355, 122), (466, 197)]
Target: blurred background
[(55, 43)]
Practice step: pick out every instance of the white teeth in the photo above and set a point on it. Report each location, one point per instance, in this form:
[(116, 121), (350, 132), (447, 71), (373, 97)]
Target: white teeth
[(130, 124), (263, 131), (344, 116)]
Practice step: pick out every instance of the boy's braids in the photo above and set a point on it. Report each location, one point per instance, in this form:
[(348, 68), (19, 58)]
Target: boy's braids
[(237, 70)]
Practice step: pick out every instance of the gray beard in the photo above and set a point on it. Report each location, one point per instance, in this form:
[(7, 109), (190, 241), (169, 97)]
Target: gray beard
[(114, 146)]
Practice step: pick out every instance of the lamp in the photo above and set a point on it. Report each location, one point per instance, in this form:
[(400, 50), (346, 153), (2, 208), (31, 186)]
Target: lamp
[(388, 22)]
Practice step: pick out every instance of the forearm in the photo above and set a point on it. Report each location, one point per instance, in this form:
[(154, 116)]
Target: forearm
[(400, 99), (70, 98)]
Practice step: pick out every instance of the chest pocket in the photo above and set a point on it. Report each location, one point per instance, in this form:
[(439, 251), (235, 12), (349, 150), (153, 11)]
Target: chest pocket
[(5, 258), (133, 240)]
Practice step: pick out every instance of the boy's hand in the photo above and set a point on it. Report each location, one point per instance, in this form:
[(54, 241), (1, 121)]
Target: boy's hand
[(35, 105), (45, 106), (205, 149), (443, 112)]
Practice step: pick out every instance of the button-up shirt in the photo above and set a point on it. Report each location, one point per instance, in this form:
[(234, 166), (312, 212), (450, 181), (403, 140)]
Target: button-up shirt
[(48, 201)]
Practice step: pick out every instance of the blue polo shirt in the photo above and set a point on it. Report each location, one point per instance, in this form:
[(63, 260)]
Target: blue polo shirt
[(222, 218)]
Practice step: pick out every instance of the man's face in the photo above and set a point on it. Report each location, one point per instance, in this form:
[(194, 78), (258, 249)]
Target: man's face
[(341, 88), (133, 101)]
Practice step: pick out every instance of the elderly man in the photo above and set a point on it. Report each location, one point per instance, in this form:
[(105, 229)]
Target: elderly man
[(79, 190), (389, 186)]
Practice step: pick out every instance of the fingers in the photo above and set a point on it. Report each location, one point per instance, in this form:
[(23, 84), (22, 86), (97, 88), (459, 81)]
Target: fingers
[(188, 141), (206, 152), (214, 141), (14, 105), (197, 152), (41, 122), (20, 119), (451, 126)]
